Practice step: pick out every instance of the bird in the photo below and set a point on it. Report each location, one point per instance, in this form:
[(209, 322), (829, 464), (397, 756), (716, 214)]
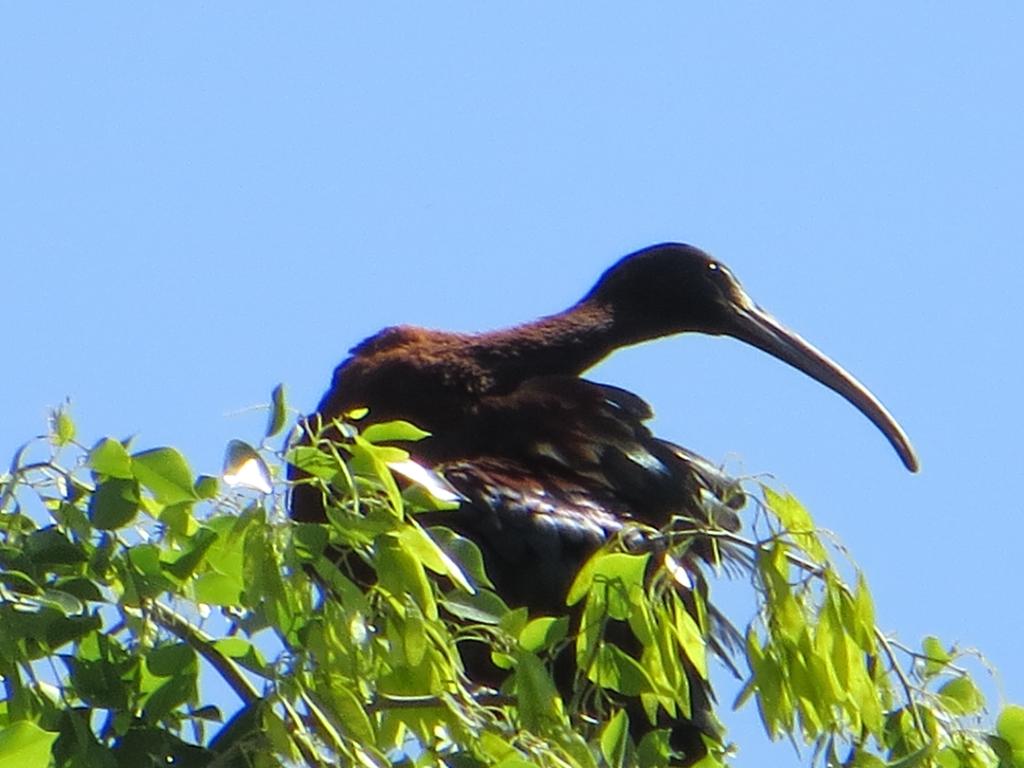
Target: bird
[(549, 466)]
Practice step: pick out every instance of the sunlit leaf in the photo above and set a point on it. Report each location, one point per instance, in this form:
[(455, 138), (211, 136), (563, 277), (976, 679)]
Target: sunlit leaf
[(616, 574), (543, 632), (936, 656), (61, 601), (436, 487), (393, 431), (62, 426), (207, 487), (313, 461), (690, 638), (1010, 726), (169, 696), (217, 589), (962, 696), (245, 468), (25, 745), (108, 457), (620, 672), (402, 573), (419, 543), (242, 651), (465, 552), (614, 739), (795, 520), (165, 473), (182, 564), (414, 637), (484, 607)]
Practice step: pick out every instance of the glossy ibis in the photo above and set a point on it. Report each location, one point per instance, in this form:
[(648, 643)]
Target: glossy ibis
[(551, 465)]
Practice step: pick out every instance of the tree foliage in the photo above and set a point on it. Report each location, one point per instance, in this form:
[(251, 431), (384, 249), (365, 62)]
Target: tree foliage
[(149, 616)]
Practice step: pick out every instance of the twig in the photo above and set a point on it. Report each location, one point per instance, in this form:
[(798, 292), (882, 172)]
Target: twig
[(384, 702), (203, 644), (908, 689)]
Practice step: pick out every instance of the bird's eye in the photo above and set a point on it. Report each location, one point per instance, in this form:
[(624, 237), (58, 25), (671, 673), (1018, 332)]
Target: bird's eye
[(718, 271)]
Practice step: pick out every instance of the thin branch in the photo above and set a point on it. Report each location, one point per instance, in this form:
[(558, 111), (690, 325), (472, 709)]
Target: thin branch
[(203, 644), (908, 689), (384, 702)]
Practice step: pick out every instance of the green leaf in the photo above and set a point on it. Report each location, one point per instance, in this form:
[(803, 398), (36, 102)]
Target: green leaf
[(690, 637), (49, 546), (936, 656), (1010, 726), (401, 573), (617, 670), (25, 745), (61, 601), (310, 540), (242, 651), (962, 696), (371, 461), (419, 543), (245, 468), (617, 573), (169, 660), (278, 411), (414, 636), (654, 750), (313, 461), (614, 739), (484, 607), (114, 503), (62, 427), (80, 587), (466, 553), (540, 706), (218, 589), (207, 487), (181, 565), (20, 582), (165, 473), (169, 696), (108, 457), (796, 521), (353, 714), (543, 633), (393, 431)]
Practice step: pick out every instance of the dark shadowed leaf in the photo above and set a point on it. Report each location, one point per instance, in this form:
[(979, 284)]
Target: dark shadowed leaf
[(169, 660), (278, 411), (114, 504)]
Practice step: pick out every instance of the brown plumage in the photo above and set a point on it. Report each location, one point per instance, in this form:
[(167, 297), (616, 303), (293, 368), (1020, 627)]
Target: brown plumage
[(552, 465)]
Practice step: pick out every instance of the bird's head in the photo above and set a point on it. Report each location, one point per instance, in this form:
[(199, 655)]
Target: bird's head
[(676, 288)]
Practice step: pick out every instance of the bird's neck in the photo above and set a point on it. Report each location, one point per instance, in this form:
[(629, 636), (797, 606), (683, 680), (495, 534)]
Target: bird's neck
[(564, 344)]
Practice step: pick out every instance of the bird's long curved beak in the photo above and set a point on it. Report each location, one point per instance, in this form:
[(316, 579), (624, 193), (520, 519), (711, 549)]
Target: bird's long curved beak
[(756, 327)]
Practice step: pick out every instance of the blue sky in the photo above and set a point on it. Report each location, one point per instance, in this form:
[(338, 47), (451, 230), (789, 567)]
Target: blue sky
[(201, 200)]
